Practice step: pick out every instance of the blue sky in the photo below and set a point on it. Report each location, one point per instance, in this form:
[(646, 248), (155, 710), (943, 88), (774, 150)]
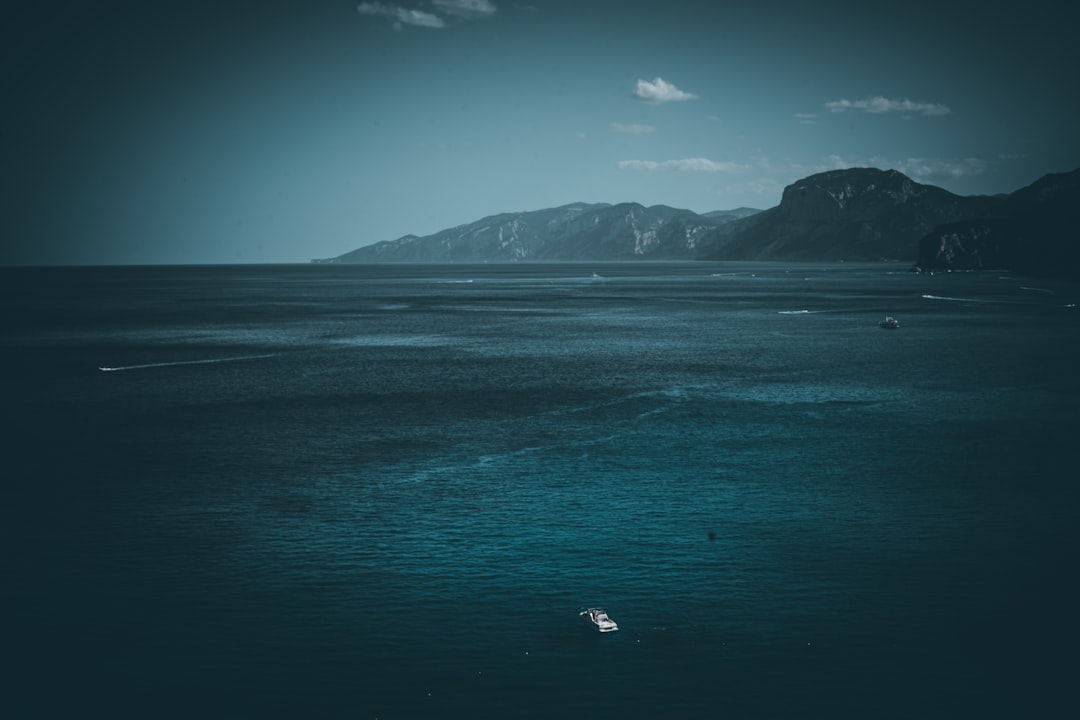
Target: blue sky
[(287, 130)]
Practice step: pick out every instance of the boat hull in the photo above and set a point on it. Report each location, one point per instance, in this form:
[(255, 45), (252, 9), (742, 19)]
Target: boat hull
[(596, 619), (889, 323)]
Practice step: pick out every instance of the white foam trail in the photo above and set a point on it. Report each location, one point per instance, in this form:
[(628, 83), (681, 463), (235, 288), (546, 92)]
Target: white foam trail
[(997, 302), (183, 362), (959, 299), (1035, 289)]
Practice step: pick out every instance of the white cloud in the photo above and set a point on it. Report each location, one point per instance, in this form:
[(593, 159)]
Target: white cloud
[(941, 168), (401, 15), (930, 170), (684, 165), (462, 9), (660, 91), (465, 8), (923, 169), (632, 129), (879, 104), (806, 118), (760, 187), (837, 162)]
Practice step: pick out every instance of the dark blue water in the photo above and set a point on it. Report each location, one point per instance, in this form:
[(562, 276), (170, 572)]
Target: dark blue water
[(318, 491)]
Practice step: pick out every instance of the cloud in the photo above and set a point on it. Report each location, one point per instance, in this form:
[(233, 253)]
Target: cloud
[(401, 16), (466, 8), (941, 169), (461, 9), (806, 118), (879, 104), (762, 186), (632, 129), (660, 91), (928, 169), (684, 165)]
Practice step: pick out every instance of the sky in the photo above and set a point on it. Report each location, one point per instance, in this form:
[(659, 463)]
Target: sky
[(285, 130)]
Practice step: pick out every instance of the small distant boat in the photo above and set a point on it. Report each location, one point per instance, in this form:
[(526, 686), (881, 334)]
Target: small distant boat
[(598, 620), (889, 323)]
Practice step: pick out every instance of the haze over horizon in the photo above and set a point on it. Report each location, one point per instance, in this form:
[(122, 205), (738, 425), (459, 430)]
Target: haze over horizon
[(287, 130)]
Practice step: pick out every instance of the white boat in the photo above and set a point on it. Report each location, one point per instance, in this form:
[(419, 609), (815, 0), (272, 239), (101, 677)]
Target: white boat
[(598, 620), (889, 323)]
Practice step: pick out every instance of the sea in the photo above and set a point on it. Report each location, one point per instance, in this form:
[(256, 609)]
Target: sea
[(387, 491)]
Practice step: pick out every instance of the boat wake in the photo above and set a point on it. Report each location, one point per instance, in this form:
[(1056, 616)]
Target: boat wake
[(962, 299), (999, 302), (183, 362)]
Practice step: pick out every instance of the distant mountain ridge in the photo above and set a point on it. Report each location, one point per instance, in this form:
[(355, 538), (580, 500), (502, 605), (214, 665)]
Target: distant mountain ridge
[(854, 214), (579, 231)]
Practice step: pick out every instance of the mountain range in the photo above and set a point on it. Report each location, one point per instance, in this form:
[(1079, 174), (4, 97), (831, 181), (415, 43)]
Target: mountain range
[(855, 214)]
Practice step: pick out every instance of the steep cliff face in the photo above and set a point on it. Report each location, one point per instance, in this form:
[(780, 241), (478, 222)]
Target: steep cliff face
[(965, 245), (630, 231), (1033, 230), (856, 214)]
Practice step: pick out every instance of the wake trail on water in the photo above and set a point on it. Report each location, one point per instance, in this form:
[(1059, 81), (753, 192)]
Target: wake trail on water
[(970, 300), (823, 312), (184, 362), (993, 302)]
